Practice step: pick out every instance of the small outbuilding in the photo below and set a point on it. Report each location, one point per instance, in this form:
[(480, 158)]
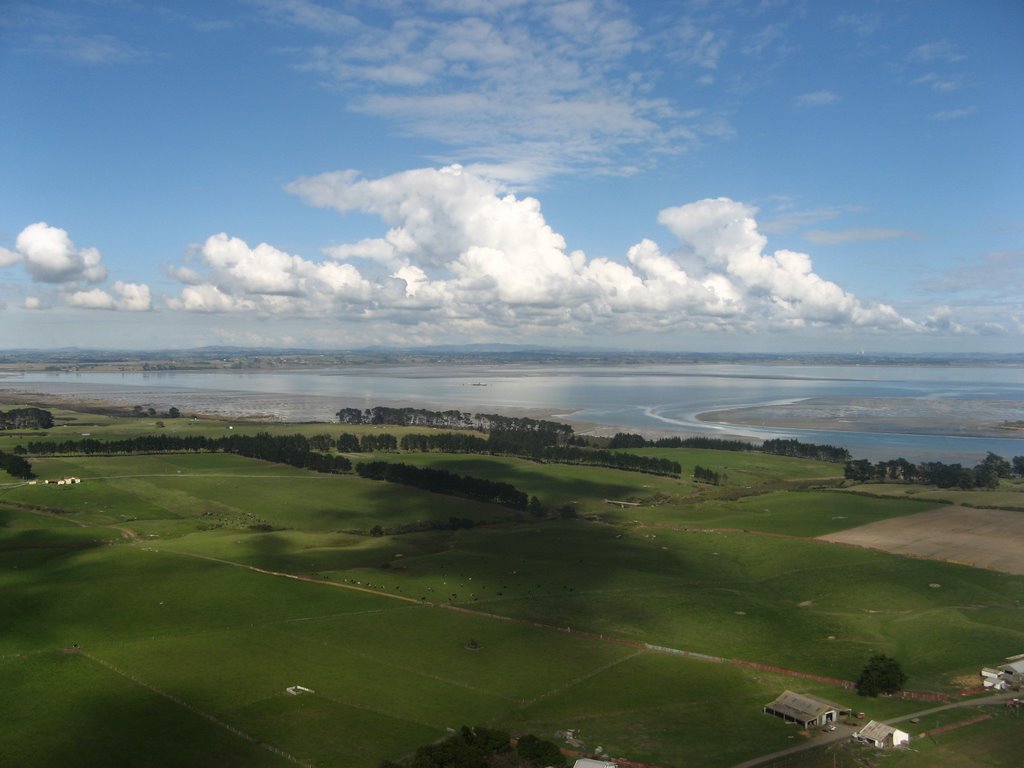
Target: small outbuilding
[(586, 762), (882, 736), (1009, 675), (805, 710)]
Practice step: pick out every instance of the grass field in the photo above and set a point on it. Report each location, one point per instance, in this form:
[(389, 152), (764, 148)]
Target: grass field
[(190, 623)]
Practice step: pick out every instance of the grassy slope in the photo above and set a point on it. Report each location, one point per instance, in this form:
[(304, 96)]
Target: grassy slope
[(228, 640)]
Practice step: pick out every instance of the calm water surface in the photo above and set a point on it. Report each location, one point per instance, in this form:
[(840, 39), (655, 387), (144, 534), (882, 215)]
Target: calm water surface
[(664, 398)]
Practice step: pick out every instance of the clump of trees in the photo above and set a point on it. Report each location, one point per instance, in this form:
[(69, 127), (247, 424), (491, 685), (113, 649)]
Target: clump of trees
[(481, 747), (986, 474), (16, 466), (26, 418), (882, 674), (704, 475)]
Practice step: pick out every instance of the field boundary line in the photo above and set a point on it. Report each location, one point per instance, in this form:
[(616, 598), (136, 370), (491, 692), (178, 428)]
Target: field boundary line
[(195, 710), (294, 576), (582, 678)]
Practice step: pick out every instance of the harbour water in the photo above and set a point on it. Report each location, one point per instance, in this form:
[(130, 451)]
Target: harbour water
[(921, 413)]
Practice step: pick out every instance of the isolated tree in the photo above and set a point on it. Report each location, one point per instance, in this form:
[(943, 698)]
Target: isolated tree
[(882, 674)]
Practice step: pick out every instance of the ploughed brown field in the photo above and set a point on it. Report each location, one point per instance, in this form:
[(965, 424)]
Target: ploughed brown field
[(982, 538)]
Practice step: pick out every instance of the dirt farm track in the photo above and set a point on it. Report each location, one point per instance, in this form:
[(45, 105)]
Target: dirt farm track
[(982, 538)]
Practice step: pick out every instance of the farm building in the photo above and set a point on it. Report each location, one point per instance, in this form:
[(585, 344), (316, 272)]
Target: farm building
[(882, 736), (804, 709), (586, 762), (1009, 675), (64, 481)]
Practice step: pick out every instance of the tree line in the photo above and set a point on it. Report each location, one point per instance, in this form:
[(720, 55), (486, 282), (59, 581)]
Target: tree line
[(985, 474), (443, 481), (777, 447)]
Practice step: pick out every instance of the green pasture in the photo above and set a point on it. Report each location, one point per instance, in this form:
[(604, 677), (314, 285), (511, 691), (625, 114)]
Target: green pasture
[(794, 513), (172, 494), (741, 468), (149, 565), (201, 647), (67, 710), (766, 599), (1009, 494)]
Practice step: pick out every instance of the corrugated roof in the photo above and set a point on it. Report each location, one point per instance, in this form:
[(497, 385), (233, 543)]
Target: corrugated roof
[(801, 706), (877, 731)]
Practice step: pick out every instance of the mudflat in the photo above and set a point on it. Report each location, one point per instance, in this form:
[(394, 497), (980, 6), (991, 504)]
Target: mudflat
[(921, 416), (981, 538)]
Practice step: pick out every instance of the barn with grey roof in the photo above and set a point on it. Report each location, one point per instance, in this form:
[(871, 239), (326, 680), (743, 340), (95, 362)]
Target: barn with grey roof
[(804, 709)]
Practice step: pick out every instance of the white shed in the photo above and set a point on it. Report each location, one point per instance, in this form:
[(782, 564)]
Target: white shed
[(882, 736), (586, 762)]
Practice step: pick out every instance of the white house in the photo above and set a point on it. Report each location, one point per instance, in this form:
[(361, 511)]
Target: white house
[(882, 736)]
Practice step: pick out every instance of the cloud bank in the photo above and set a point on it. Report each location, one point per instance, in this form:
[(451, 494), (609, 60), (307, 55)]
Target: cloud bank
[(464, 258)]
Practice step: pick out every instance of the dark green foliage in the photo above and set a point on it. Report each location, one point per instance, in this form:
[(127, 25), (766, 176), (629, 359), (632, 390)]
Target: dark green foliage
[(630, 440), (26, 418), (445, 442), (443, 481), (16, 466), (383, 442), (987, 474), (348, 443), (704, 475), (882, 674), (795, 448)]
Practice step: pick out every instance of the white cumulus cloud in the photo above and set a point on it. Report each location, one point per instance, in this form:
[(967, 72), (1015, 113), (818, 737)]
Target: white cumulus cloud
[(460, 256), (234, 277), (130, 297), (49, 256)]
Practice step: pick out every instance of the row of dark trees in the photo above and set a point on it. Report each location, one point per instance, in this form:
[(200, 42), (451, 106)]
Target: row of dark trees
[(26, 418), (986, 474), (443, 481), (481, 747), (16, 466), (778, 447), (631, 440)]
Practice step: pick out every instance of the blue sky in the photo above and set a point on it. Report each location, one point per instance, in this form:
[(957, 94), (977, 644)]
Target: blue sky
[(744, 176)]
